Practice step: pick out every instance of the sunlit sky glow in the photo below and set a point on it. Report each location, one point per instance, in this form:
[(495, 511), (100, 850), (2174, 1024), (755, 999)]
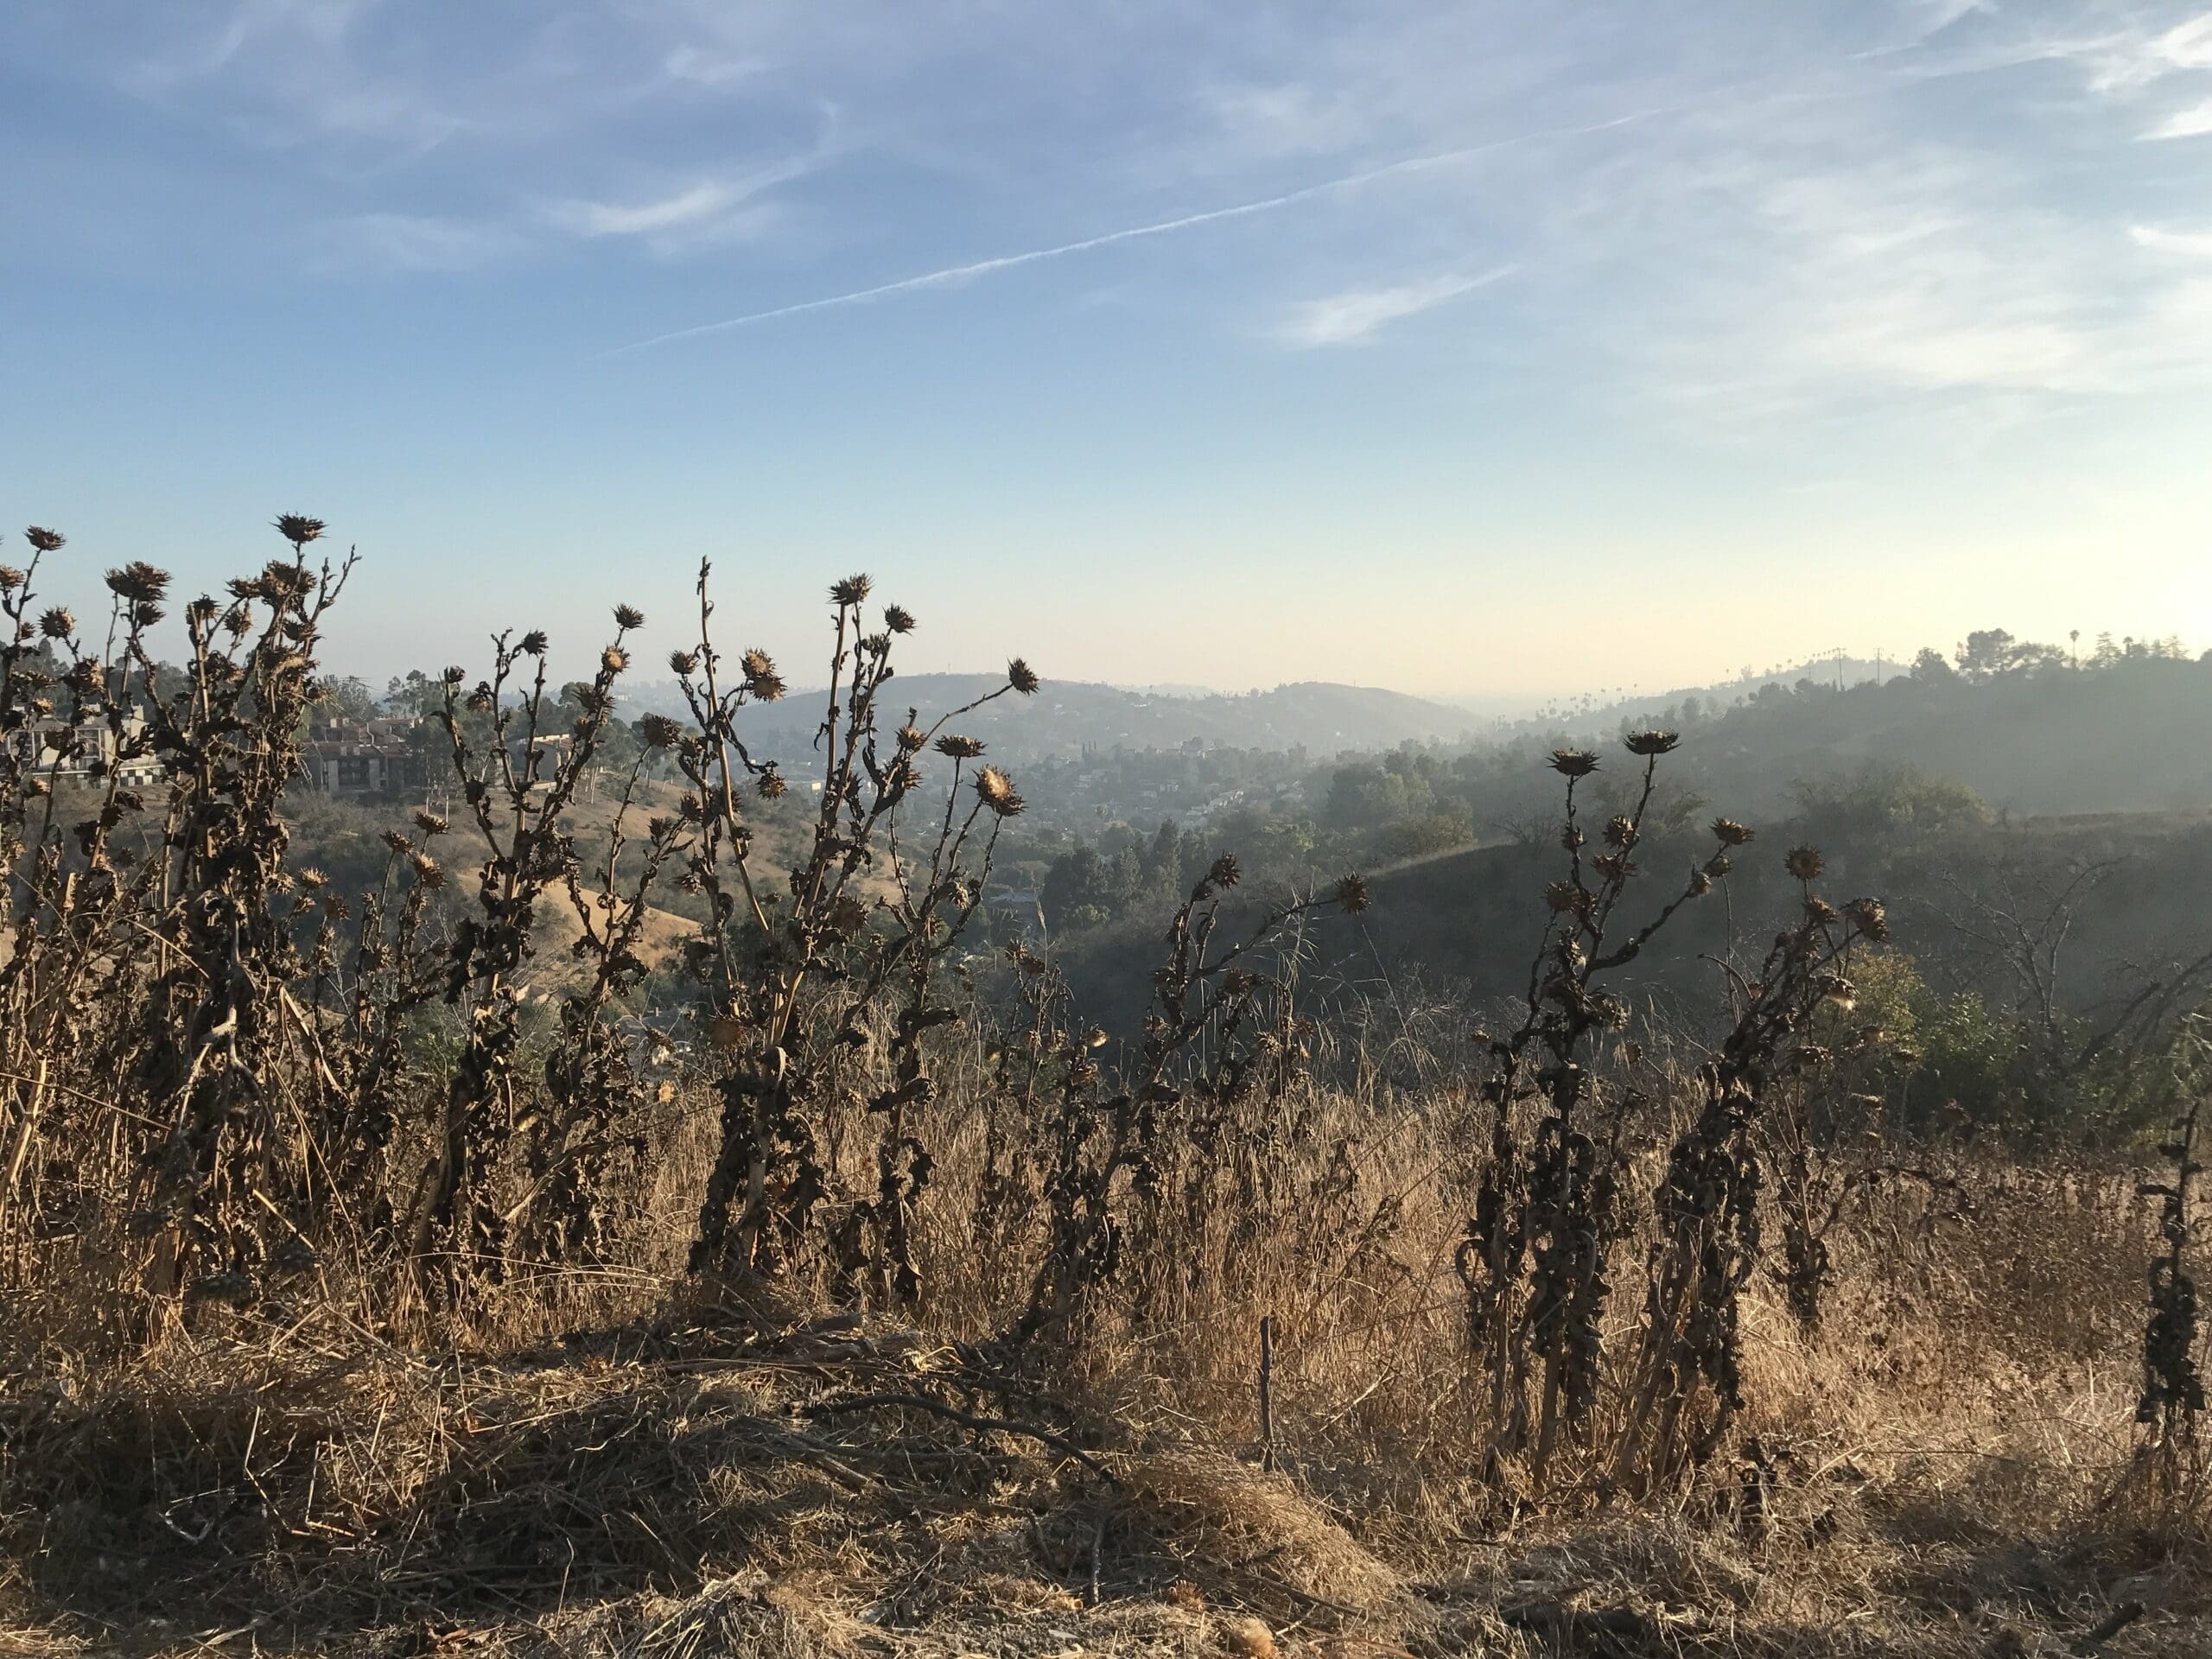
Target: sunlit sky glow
[(1461, 349)]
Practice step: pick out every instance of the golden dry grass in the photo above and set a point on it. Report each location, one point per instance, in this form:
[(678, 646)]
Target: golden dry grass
[(623, 1463)]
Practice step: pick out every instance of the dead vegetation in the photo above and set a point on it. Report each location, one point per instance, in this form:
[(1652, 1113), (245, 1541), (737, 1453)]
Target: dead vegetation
[(349, 1309)]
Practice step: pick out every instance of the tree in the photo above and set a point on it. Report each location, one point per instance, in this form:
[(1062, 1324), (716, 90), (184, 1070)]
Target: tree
[(1930, 668), (1986, 653)]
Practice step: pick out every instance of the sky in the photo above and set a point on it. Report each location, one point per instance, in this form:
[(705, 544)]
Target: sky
[(1469, 350)]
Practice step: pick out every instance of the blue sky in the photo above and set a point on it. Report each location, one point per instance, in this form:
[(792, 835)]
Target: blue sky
[(1463, 349)]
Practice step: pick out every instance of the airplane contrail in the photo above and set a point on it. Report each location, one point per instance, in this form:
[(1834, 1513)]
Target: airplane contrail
[(952, 275)]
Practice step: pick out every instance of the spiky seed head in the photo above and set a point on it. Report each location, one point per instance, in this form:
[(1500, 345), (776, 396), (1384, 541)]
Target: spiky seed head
[(534, 643), (298, 529), (1870, 916), (1614, 866), (1620, 831), (1351, 894), (397, 842), (996, 791), (1717, 866), (1225, 871), (429, 822), (770, 785), (1818, 910), (45, 540), (1571, 838), (427, 872), (1573, 763), (1701, 884), (311, 878), (1563, 897), (853, 590), (957, 747), (898, 619), (1729, 833), (904, 775), (659, 732), (10, 578), (628, 616), (1651, 743), (1835, 988), (910, 739), (1805, 863), (1022, 677), (57, 623), (760, 676), (615, 659), (684, 664), (139, 582)]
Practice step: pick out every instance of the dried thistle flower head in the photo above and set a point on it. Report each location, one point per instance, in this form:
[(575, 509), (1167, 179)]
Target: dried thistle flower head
[(659, 732), (1729, 833), (956, 747), (1870, 916), (1818, 909), (898, 619), (1805, 863), (45, 540), (455, 673), (429, 822), (10, 578), (427, 873), (1224, 871), (534, 643), (139, 582), (1620, 831), (1022, 677), (1351, 894), (1835, 988), (58, 623), (615, 659), (760, 676), (911, 738), (1571, 838), (771, 784), (1651, 743), (397, 842), (298, 529), (312, 877), (1563, 897), (1701, 884), (684, 664), (628, 616), (853, 590), (1573, 763), (996, 791)]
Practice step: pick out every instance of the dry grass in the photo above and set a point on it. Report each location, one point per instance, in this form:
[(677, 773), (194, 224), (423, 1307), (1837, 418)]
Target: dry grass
[(614, 1464)]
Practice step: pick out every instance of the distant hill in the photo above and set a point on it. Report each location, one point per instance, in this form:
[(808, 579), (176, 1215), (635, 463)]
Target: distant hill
[(1068, 716), (2133, 736)]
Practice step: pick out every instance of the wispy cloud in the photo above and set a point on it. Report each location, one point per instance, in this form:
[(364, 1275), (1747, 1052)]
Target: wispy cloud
[(2192, 123), (1344, 318), (2192, 243), (954, 275), (412, 242), (701, 201), (704, 68), (718, 210)]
